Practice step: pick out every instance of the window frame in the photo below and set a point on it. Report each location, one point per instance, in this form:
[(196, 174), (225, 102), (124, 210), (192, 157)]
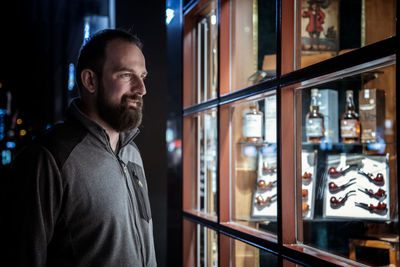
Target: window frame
[(285, 82)]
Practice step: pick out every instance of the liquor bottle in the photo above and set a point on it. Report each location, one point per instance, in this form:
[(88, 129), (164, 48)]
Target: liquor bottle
[(350, 123), (315, 129), (252, 124)]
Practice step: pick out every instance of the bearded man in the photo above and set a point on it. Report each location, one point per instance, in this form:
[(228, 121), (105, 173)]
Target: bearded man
[(78, 195)]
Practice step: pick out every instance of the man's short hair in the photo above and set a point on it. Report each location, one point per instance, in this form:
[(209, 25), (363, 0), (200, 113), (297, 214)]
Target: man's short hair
[(92, 53)]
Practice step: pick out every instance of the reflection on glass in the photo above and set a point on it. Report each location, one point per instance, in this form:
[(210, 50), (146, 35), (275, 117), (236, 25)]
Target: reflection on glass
[(254, 161), (207, 242), (348, 177), (205, 186), (203, 243), (207, 55), (243, 255), (253, 42), (330, 28)]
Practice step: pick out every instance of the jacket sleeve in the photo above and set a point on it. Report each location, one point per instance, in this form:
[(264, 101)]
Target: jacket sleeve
[(32, 201)]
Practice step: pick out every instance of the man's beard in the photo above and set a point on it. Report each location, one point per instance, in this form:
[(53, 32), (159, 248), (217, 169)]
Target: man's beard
[(121, 117)]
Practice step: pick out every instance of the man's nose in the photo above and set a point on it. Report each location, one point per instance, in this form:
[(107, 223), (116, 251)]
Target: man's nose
[(139, 87)]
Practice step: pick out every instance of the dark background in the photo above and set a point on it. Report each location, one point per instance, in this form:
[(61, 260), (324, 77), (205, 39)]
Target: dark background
[(39, 38)]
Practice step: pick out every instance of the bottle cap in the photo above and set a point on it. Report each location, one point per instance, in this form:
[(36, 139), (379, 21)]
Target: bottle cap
[(314, 92)]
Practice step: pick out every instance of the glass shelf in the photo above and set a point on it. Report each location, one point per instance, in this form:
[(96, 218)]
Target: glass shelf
[(256, 144), (347, 147)]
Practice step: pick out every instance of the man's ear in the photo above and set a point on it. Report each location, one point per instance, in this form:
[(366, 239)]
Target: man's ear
[(89, 80)]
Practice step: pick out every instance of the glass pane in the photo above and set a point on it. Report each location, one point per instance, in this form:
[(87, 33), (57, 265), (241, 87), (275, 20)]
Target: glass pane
[(205, 159), (204, 245), (348, 159), (253, 162), (330, 28), (206, 54), (243, 255), (253, 42)]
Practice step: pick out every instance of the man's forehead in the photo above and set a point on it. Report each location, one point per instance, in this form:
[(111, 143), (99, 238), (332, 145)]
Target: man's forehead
[(119, 52)]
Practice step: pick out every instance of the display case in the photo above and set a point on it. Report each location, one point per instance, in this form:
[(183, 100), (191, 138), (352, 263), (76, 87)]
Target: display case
[(243, 254), (201, 53), (346, 142), (201, 246), (203, 162), (252, 42), (330, 28), (303, 128), (254, 162)]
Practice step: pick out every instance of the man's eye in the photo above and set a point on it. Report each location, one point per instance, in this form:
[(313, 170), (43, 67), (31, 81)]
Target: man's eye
[(126, 75)]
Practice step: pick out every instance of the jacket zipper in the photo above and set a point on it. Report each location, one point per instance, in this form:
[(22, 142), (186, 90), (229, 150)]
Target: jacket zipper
[(125, 172)]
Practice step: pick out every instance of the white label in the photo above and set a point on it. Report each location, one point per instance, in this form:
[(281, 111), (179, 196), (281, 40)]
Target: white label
[(270, 130), (314, 127), (252, 125), (349, 128)]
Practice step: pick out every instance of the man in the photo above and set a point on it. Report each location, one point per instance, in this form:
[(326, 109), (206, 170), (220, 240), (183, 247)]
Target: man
[(316, 19), (78, 195)]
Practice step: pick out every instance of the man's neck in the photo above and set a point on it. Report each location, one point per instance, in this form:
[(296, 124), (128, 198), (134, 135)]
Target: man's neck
[(112, 134), (114, 137)]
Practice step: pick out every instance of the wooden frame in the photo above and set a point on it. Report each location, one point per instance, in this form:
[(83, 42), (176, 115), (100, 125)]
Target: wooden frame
[(380, 244)]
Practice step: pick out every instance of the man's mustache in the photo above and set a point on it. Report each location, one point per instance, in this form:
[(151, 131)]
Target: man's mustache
[(134, 97)]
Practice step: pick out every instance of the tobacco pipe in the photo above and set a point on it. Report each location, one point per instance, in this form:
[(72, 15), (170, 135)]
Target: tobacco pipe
[(380, 209), (306, 177), (269, 170), (379, 195), (333, 188), (378, 180), (304, 193), (263, 202), (339, 202), (264, 186), (305, 207), (334, 173)]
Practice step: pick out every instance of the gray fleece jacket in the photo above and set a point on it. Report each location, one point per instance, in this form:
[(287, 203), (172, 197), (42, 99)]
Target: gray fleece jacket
[(72, 201)]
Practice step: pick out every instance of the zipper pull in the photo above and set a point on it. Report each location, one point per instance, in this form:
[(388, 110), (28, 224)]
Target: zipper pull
[(123, 166), (140, 183)]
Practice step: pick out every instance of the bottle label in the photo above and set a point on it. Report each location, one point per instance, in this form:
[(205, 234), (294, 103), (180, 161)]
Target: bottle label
[(252, 125), (348, 128), (314, 127)]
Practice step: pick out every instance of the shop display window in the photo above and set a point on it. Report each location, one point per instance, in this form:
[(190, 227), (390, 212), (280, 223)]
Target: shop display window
[(201, 245), (346, 152), (243, 254), (305, 157), (330, 28), (204, 161), (253, 42), (202, 55), (254, 162), (246, 255)]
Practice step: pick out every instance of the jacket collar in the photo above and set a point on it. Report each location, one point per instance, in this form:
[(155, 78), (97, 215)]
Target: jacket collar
[(75, 113)]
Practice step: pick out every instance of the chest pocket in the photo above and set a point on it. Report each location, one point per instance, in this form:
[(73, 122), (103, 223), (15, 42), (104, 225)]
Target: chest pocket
[(141, 195)]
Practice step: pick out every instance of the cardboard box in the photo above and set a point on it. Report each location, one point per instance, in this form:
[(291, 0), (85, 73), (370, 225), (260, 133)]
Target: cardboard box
[(270, 119), (328, 106)]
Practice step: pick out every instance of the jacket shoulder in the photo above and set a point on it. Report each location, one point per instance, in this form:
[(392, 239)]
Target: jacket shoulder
[(61, 139)]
